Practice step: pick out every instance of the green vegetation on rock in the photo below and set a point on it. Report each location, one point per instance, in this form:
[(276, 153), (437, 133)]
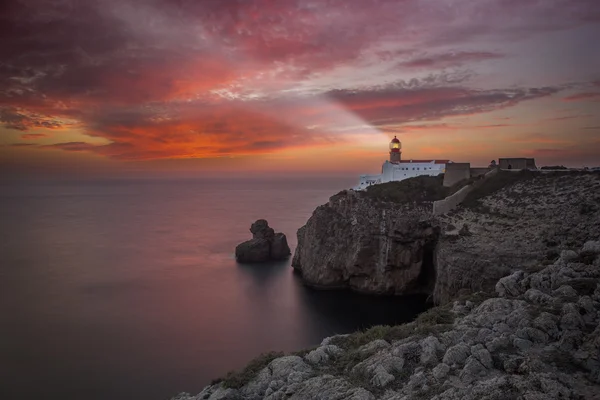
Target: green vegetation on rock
[(414, 190), (434, 320), (237, 379)]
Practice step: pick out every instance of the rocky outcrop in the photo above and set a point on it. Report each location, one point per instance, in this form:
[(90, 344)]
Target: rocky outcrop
[(511, 221), (520, 226), (265, 245), (369, 246), (537, 338)]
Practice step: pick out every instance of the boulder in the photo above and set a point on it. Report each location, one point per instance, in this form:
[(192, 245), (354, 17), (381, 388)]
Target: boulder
[(279, 247), (265, 245), (253, 250)]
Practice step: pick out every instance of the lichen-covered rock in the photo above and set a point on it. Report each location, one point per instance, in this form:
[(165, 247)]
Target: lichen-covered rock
[(457, 354), (430, 347), (380, 368), (440, 371), (322, 354), (510, 286), (591, 247), (373, 347)]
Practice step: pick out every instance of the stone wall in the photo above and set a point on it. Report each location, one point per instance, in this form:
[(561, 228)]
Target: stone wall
[(479, 171), (456, 172), (451, 202), (517, 163)]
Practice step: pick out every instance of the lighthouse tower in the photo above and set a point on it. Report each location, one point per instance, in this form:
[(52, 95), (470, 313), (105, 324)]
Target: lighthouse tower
[(395, 150)]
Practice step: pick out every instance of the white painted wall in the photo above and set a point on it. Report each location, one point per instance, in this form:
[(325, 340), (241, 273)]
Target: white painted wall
[(398, 172)]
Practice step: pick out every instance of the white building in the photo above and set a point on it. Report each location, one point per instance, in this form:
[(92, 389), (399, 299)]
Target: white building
[(397, 169)]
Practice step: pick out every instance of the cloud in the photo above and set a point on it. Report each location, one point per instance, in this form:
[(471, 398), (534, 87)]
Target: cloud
[(450, 59), (23, 120), (567, 117), (241, 127), (595, 96), (72, 146), (29, 136), (19, 144), (537, 138), (165, 79)]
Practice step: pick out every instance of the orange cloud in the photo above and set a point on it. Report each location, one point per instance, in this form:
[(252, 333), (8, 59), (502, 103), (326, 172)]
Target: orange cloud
[(31, 136)]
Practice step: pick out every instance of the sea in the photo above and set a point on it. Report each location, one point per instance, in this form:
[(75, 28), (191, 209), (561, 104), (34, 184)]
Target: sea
[(117, 289)]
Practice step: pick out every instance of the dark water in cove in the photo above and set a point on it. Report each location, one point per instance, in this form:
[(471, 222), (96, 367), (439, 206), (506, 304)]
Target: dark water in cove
[(128, 289)]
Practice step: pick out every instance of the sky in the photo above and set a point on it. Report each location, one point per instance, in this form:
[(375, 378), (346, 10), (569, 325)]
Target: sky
[(294, 86)]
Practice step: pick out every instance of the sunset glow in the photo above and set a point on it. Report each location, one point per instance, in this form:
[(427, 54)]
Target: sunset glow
[(295, 85)]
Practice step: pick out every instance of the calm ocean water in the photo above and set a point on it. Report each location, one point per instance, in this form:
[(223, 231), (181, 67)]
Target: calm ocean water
[(128, 289)]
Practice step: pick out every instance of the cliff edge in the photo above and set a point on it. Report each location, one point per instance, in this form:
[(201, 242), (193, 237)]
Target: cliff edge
[(379, 241), (387, 240)]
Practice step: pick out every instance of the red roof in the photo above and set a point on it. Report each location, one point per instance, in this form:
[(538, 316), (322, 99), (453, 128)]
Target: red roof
[(424, 161)]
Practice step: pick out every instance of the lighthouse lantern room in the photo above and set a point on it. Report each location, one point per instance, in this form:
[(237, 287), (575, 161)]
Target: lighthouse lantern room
[(395, 150)]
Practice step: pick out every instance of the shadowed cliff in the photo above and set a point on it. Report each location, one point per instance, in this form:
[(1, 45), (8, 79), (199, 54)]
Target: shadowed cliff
[(386, 240)]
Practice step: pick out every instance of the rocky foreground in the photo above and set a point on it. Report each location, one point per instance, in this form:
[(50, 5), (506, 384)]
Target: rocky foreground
[(516, 271), (538, 338)]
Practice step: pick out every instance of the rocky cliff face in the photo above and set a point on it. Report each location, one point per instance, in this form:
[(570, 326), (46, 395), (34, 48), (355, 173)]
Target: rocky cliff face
[(367, 245), (517, 227), (513, 221), (537, 338)]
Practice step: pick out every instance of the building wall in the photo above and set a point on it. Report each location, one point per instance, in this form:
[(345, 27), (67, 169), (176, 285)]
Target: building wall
[(517, 163), (479, 171), (456, 172), (391, 172)]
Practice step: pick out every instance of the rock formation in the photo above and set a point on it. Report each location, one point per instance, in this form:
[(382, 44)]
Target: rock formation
[(371, 245), (537, 338), (265, 245), (356, 242), (522, 224)]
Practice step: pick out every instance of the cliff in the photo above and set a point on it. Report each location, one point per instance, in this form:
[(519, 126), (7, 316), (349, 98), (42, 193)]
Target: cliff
[(538, 337), (514, 221), (387, 240), (380, 241)]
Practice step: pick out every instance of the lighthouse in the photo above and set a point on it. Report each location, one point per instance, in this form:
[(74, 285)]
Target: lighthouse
[(395, 150), (397, 169)]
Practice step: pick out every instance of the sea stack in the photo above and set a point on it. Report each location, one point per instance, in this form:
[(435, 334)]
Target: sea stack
[(265, 245)]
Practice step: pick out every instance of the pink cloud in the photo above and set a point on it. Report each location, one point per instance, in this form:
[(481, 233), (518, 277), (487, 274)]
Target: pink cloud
[(595, 96)]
